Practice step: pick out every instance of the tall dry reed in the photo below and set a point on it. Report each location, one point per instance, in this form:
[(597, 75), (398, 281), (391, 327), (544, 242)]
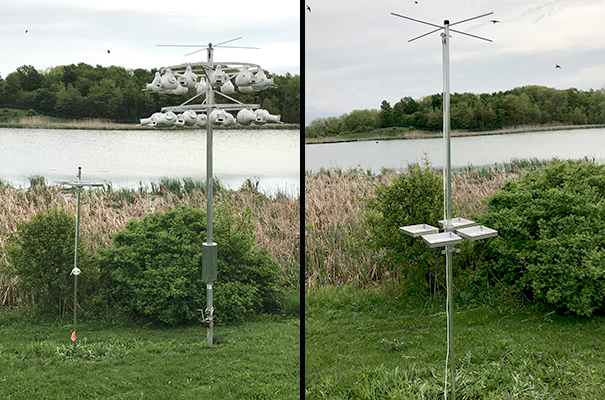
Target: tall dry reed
[(334, 251), (276, 220), (47, 122)]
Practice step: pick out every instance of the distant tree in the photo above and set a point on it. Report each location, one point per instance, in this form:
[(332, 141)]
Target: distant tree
[(12, 86), (386, 114), (361, 120), (69, 101), (30, 78)]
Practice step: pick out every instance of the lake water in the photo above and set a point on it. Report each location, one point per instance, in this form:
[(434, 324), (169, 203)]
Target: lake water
[(126, 158), (465, 151)]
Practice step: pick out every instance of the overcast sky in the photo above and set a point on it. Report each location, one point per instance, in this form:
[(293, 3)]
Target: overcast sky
[(62, 32), (357, 54)]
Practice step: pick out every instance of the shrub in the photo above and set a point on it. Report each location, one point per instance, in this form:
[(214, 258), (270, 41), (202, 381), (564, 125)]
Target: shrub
[(551, 236), (411, 198), (41, 254), (154, 268)]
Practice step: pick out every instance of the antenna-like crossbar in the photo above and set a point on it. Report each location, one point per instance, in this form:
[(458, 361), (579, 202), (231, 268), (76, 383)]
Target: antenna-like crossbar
[(209, 46), (439, 27)]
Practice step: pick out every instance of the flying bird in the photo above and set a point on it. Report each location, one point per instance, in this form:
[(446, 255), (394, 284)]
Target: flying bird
[(557, 66), (108, 51), (494, 21), (27, 30), (308, 8)]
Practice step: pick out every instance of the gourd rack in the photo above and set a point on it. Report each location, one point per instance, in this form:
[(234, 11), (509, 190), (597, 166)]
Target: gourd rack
[(214, 77)]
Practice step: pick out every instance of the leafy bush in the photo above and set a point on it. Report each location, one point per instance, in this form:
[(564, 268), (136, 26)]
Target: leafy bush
[(41, 254), (551, 236), (411, 198), (154, 268)]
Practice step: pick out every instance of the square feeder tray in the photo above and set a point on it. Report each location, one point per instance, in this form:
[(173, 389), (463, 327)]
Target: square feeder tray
[(477, 232), (458, 223), (442, 239), (419, 230)]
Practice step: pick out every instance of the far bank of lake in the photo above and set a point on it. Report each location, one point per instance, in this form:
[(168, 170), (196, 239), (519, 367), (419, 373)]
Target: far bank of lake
[(399, 133)]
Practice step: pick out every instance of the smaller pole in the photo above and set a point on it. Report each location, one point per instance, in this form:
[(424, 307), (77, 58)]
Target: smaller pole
[(76, 251), (75, 302), (209, 332)]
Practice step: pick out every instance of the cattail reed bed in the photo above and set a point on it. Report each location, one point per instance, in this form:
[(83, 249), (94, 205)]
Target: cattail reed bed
[(336, 248), (103, 212)]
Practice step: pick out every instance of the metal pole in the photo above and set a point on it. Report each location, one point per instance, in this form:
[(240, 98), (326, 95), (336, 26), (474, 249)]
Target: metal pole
[(450, 319), (209, 194), (448, 200), (446, 120), (78, 188)]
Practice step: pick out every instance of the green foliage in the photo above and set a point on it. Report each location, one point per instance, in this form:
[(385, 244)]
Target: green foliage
[(154, 268), (411, 198), (84, 91), (356, 121), (41, 254), (527, 105), (36, 180), (551, 236)]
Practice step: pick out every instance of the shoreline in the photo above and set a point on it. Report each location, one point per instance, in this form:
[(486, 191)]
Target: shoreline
[(103, 125), (395, 133)]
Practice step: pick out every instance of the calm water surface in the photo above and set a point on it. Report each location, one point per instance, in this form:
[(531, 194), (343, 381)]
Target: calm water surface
[(465, 151), (126, 158)]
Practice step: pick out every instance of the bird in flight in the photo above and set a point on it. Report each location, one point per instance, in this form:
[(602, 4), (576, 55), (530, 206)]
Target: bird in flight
[(557, 66), (308, 8), (108, 51), (494, 21), (27, 30)]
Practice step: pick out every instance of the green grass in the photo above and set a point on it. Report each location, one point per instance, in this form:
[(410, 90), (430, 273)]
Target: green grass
[(384, 345), (253, 360)]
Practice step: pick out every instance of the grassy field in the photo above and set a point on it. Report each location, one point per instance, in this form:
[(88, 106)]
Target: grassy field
[(253, 360), (381, 344)]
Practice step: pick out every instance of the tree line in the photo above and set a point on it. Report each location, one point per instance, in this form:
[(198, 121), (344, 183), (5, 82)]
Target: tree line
[(474, 112), (115, 93)]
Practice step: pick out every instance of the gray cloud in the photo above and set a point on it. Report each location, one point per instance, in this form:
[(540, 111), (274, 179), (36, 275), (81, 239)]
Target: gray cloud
[(356, 58)]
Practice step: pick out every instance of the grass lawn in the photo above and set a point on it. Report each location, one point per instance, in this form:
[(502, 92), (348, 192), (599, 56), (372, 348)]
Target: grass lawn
[(381, 345), (253, 360)]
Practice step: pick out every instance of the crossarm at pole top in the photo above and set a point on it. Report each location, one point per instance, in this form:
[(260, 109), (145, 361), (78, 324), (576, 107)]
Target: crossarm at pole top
[(470, 19)]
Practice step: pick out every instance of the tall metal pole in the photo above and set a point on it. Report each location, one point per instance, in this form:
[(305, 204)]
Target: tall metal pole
[(209, 194), (446, 120), (448, 227), (448, 209), (78, 189)]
